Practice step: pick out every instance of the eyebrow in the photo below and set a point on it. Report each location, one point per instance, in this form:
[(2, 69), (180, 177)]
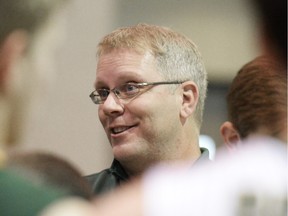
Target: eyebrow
[(128, 77)]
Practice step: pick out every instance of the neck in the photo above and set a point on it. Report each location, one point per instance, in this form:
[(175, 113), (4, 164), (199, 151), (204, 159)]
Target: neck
[(184, 158), (137, 168)]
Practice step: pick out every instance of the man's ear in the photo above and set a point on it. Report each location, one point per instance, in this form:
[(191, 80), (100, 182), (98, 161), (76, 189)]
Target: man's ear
[(11, 50), (230, 135), (190, 96)]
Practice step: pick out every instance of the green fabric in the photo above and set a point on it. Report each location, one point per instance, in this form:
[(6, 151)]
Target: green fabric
[(20, 198)]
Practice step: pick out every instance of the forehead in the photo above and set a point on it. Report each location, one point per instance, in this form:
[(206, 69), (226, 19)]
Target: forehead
[(124, 64)]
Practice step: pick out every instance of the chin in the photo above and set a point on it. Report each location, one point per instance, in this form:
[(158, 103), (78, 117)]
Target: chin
[(124, 153)]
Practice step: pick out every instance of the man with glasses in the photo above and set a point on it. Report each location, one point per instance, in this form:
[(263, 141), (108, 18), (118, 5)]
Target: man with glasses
[(150, 89)]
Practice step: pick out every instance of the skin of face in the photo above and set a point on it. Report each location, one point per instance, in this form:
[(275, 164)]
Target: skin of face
[(150, 122)]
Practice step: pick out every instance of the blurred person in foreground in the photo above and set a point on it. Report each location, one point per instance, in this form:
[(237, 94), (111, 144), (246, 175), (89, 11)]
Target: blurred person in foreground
[(29, 33), (47, 169), (150, 89)]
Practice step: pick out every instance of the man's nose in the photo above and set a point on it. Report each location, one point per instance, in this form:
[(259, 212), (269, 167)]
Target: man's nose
[(112, 105)]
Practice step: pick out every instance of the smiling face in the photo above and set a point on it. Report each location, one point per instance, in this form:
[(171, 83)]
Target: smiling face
[(145, 129)]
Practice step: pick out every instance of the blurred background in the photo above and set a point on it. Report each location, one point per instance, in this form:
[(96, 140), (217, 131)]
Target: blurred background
[(66, 121)]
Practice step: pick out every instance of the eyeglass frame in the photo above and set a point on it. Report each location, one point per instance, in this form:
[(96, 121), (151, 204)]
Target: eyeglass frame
[(94, 94)]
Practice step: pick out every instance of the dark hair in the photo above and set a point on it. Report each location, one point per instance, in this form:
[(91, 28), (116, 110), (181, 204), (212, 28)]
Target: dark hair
[(273, 17), (50, 170), (257, 98)]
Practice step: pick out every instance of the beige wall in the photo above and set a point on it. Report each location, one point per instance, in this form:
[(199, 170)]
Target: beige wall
[(67, 122)]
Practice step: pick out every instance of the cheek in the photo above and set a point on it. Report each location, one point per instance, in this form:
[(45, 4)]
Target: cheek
[(151, 116), (157, 109), (101, 115), (165, 117)]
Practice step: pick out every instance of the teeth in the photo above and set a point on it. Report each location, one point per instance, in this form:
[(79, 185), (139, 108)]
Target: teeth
[(119, 129)]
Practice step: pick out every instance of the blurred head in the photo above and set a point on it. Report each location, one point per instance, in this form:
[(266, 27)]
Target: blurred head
[(257, 102), (50, 171), (273, 19), (148, 123), (30, 31), (26, 15)]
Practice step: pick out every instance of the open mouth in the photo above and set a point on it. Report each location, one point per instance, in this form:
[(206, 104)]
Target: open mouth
[(121, 129)]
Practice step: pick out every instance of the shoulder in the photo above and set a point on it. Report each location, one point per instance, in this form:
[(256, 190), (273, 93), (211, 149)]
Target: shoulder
[(107, 179), (95, 176), (101, 181)]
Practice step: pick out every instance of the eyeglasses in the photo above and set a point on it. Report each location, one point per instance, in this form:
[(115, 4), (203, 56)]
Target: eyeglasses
[(125, 91)]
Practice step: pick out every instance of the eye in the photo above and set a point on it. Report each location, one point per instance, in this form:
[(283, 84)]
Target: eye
[(128, 89), (103, 93), (131, 88)]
